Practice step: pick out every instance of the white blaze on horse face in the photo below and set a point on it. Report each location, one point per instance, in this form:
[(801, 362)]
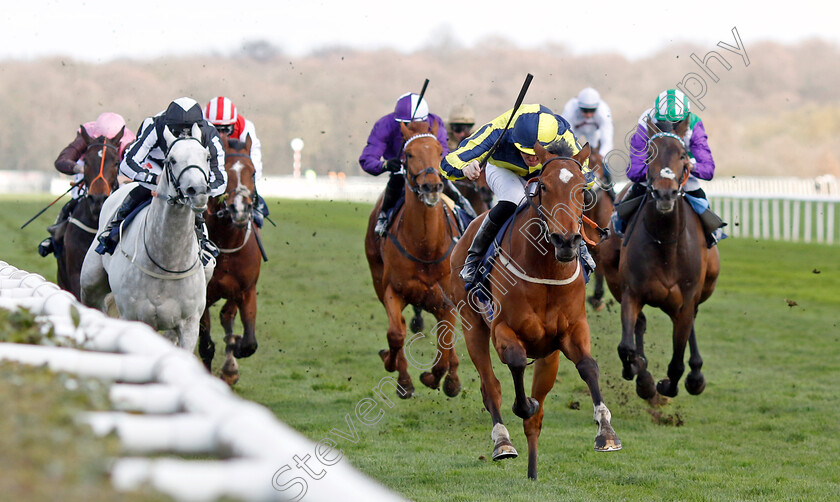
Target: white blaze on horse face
[(238, 201), (667, 173), (565, 175)]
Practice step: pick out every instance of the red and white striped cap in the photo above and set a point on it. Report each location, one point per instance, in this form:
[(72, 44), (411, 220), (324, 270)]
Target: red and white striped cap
[(220, 111)]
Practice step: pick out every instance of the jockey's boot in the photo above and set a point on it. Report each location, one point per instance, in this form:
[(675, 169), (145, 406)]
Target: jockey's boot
[(207, 250), (260, 209), (586, 259), (393, 190), (626, 207), (108, 239), (57, 229), (712, 225), (482, 240)]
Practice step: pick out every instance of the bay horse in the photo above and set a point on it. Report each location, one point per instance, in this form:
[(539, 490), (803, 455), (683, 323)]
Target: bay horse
[(101, 161), (155, 273), (537, 294), (598, 211), (230, 225), (409, 262), (663, 262)]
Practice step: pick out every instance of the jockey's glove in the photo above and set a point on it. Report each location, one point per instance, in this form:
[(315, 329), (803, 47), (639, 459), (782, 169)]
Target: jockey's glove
[(393, 165)]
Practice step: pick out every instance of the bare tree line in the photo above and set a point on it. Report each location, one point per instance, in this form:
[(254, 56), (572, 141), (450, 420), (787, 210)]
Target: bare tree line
[(778, 116)]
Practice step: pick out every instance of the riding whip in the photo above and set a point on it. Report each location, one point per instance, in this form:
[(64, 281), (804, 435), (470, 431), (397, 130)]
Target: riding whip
[(519, 99), (72, 186)]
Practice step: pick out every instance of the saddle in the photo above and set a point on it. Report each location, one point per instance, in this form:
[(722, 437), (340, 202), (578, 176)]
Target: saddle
[(116, 230)]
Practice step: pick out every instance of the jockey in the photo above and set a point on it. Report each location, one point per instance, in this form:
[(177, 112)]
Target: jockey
[(590, 117), (461, 122), (670, 109), (383, 151), (70, 161), (221, 112), (144, 159), (507, 169)]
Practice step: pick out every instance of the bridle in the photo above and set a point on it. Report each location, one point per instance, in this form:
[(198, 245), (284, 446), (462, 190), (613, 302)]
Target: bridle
[(666, 172), (101, 174), (180, 198), (240, 190), (413, 184)]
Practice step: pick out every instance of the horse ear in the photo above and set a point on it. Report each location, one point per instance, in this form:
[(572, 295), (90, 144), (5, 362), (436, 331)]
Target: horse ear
[(116, 139), (168, 137), (681, 128), (540, 150), (195, 132), (583, 154), (248, 143), (85, 135), (435, 127), (404, 129), (651, 128)]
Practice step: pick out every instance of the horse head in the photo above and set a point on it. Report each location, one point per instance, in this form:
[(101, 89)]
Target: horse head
[(423, 153), (102, 159), (668, 163), (187, 169), (557, 195), (238, 200)]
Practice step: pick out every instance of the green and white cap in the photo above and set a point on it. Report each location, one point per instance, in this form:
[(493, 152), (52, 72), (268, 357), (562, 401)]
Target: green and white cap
[(671, 105)]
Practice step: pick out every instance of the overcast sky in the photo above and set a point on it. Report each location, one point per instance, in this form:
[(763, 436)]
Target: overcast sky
[(101, 30)]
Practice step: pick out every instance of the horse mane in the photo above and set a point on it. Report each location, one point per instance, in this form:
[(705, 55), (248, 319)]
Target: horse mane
[(236, 144), (560, 147)]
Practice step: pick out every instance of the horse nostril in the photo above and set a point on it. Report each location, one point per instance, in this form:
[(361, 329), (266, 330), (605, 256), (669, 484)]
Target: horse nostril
[(190, 192)]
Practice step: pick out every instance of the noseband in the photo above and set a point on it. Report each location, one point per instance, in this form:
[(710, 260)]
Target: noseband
[(101, 173)]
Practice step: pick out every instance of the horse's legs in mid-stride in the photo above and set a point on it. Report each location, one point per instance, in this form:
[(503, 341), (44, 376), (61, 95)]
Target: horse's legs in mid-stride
[(187, 332), (394, 358), (645, 387), (630, 309), (478, 345), (695, 382), (246, 345), (576, 346), (545, 373), (683, 325), (94, 283), (206, 347), (446, 336), (230, 368), (512, 353), (597, 298)]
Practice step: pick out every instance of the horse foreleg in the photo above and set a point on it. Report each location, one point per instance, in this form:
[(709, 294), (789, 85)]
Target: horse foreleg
[(230, 368), (417, 323), (446, 336), (645, 387), (247, 344), (512, 353), (478, 345), (683, 324), (630, 309), (695, 382), (394, 358), (206, 347), (596, 300), (545, 373), (188, 332), (94, 282), (576, 347)]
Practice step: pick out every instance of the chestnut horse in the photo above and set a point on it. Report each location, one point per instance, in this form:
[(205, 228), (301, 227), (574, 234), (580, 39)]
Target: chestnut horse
[(663, 262), (230, 225), (408, 263), (537, 293), (598, 211), (101, 161)]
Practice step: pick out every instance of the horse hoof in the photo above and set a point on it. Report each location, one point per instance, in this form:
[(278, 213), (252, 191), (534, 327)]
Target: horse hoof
[(407, 390), (244, 350), (209, 361), (627, 372), (607, 444), (429, 380), (665, 388), (695, 386), (503, 451), (451, 386), (417, 324), (645, 388), (531, 408), (230, 378), (597, 304)]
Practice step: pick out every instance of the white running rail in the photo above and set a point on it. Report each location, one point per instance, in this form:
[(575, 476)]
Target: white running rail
[(166, 402)]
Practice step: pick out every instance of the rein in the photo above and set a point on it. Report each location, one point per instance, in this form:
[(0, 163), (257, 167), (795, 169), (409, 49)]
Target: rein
[(413, 258), (101, 173), (176, 182)]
